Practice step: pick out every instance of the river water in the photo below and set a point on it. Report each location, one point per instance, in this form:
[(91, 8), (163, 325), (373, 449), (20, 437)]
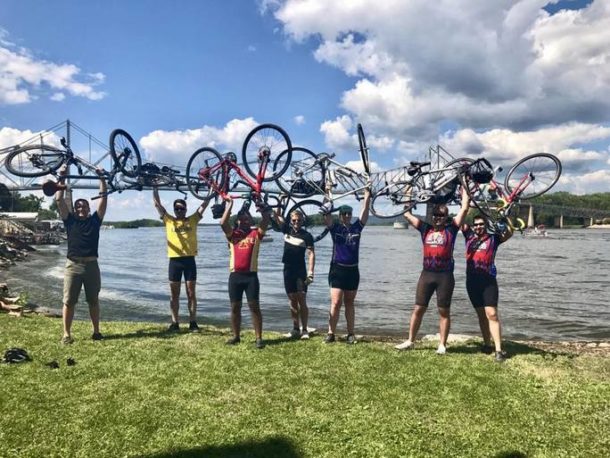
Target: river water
[(552, 288)]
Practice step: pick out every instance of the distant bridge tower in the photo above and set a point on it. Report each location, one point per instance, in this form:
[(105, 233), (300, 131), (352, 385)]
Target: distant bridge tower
[(530, 217)]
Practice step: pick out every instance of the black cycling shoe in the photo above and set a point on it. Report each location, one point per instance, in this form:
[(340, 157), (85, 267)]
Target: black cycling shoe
[(193, 327), (97, 336), (259, 344), (330, 338), (501, 356), (174, 327), (487, 349), (233, 340)]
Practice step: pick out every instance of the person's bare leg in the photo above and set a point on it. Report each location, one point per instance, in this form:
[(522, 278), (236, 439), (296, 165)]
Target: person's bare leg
[(444, 324), (336, 299), (174, 301), (484, 325), (350, 311), (494, 326), (236, 318), (416, 318), (192, 299), (257, 318)]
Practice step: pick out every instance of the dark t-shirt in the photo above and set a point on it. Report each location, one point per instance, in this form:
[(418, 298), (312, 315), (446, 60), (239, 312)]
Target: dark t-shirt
[(438, 247), (295, 244), (83, 235), (346, 242)]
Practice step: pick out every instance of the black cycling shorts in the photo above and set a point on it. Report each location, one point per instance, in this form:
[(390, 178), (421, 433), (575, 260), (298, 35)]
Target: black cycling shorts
[(294, 280), (344, 277), (430, 282), (240, 282), (184, 265), (482, 290)]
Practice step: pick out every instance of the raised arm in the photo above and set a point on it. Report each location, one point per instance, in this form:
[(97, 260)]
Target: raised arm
[(103, 201), (461, 216), (508, 233), (410, 217), (264, 224), (226, 216), (157, 202), (60, 197), (366, 205), (202, 207)]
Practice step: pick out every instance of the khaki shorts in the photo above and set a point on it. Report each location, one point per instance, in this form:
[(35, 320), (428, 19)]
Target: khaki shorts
[(78, 273)]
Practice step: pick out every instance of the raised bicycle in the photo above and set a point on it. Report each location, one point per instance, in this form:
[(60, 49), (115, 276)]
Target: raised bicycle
[(530, 177), (42, 159)]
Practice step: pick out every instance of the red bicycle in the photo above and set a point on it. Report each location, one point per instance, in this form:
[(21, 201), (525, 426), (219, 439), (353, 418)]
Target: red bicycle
[(210, 174), (530, 177)]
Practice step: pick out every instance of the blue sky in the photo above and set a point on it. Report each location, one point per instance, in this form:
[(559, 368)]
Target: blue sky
[(499, 79)]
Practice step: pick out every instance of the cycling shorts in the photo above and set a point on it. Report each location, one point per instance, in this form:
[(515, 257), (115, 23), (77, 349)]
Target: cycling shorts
[(182, 266), (430, 282), (243, 282)]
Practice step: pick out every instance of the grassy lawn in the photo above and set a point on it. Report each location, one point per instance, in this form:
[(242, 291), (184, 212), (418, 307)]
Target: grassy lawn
[(141, 392)]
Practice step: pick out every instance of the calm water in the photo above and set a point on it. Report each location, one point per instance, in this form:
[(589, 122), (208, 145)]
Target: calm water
[(550, 288)]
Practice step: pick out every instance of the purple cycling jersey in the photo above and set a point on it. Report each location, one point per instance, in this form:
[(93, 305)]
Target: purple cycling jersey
[(346, 242)]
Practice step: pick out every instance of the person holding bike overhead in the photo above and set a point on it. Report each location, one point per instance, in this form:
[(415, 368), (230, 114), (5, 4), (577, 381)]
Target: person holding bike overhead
[(181, 233), (297, 243), (438, 241), (481, 284), (82, 269), (244, 242), (344, 276)]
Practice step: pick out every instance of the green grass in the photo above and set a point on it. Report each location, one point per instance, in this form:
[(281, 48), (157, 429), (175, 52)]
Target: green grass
[(141, 392)]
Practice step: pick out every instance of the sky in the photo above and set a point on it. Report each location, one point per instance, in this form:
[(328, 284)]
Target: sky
[(499, 79)]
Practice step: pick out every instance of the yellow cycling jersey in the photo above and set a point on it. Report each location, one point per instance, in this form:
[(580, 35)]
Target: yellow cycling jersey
[(181, 235)]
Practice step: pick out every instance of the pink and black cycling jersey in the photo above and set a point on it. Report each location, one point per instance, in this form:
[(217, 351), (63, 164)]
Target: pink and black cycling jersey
[(438, 247), (481, 253)]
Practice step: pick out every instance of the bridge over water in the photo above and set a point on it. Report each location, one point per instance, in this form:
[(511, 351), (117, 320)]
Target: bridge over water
[(96, 151)]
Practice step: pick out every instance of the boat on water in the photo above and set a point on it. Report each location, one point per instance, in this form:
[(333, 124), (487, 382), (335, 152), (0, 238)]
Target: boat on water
[(537, 231), (400, 225)]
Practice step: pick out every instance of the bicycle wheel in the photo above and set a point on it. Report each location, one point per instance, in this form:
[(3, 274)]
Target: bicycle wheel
[(306, 174), (125, 153), (364, 151), (203, 174), (269, 141), (34, 160), (313, 221), (533, 175), (392, 201)]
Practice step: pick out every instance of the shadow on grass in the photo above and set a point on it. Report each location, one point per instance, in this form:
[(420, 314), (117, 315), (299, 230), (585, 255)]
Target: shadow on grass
[(274, 446), (510, 454), (511, 348)]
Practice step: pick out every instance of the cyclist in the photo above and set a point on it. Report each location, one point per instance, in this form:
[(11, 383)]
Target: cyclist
[(244, 242), (344, 276), (82, 269), (181, 233), (297, 242), (481, 284), (438, 241)]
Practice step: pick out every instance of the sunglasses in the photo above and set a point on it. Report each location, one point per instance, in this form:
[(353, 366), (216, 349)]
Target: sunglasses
[(295, 221), (478, 224), (439, 215), (180, 209), (346, 214)]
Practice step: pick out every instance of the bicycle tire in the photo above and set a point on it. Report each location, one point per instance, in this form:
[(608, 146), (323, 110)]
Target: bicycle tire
[(391, 201), (125, 153), (205, 157), (364, 151), (34, 160), (266, 136), (545, 168), (307, 175), (313, 221)]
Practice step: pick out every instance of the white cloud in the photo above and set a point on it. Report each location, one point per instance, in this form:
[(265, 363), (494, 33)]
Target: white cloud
[(299, 120), (485, 64), (176, 147), (58, 97), (23, 77)]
